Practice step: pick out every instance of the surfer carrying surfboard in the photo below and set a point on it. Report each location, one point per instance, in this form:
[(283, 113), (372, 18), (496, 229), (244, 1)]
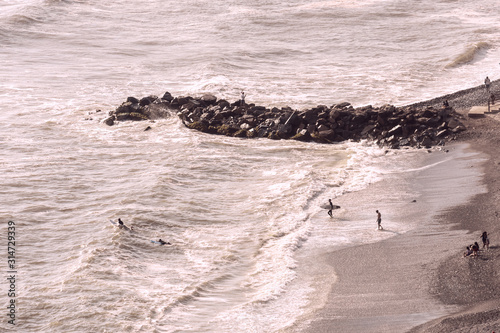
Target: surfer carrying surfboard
[(330, 212)]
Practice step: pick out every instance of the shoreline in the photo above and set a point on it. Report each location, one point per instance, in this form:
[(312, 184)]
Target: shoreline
[(394, 285), (474, 285)]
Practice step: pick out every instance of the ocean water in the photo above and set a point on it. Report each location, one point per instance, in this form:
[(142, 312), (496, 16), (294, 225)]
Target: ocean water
[(235, 210)]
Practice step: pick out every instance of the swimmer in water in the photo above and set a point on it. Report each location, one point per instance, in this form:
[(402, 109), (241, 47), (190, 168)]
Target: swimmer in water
[(162, 242), (121, 225)]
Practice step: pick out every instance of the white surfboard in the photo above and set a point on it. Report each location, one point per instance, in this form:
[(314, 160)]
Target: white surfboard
[(121, 226), (327, 206)]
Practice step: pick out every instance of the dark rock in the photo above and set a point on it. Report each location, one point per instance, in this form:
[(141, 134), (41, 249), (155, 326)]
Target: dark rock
[(132, 100), (284, 131), (303, 135), (147, 100), (198, 125), (240, 134), (223, 104), (110, 121), (168, 97), (327, 134), (209, 99), (226, 130), (251, 133), (442, 133), (426, 142), (396, 130), (387, 125), (368, 129), (157, 111), (274, 135), (341, 105)]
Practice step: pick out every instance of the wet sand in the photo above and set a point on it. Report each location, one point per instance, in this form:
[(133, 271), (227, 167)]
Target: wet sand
[(474, 283), (418, 281)]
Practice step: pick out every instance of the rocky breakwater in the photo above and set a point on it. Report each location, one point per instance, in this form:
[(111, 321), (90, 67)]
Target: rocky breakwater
[(387, 125)]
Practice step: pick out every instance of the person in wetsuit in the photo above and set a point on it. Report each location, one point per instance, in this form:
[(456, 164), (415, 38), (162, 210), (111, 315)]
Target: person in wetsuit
[(379, 220), (330, 212)]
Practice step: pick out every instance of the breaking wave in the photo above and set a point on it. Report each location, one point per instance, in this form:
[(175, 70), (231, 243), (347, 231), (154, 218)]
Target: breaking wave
[(471, 54)]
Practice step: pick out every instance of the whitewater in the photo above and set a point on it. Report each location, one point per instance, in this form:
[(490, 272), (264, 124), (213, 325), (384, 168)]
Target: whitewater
[(236, 211)]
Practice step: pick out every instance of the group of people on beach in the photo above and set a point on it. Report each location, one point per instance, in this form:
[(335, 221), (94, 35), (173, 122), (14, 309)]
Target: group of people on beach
[(379, 215), (473, 249)]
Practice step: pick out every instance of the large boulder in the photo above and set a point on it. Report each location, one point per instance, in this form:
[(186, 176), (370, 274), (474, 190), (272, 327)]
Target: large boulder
[(208, 99)]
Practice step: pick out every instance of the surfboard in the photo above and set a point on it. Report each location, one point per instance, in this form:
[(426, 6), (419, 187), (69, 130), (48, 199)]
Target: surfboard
[(121, 226), (327, 206), (156, 242)]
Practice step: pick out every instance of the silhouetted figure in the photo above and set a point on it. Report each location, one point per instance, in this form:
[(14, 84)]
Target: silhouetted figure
[(486, 241), (487, 83), (242, 99), (162, 242), (379, 220), (330, 212)]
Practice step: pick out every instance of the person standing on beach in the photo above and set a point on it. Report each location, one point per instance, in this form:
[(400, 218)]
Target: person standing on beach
[(475, 249), (330, 212), (379, 220), (487, 83), (486, 241)]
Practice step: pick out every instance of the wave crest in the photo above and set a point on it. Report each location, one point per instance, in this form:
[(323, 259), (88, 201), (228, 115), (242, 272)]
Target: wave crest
[(470, 54)]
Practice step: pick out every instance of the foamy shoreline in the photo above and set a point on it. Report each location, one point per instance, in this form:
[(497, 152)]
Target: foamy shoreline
[(387, 286)]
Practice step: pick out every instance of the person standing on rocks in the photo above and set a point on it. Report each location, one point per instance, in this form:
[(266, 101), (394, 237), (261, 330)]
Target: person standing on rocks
[(242, 99)]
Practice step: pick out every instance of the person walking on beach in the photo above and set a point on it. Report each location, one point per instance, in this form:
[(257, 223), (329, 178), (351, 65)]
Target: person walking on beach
[(379, 220), (330, 212), (486, 241), (487, 83)]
